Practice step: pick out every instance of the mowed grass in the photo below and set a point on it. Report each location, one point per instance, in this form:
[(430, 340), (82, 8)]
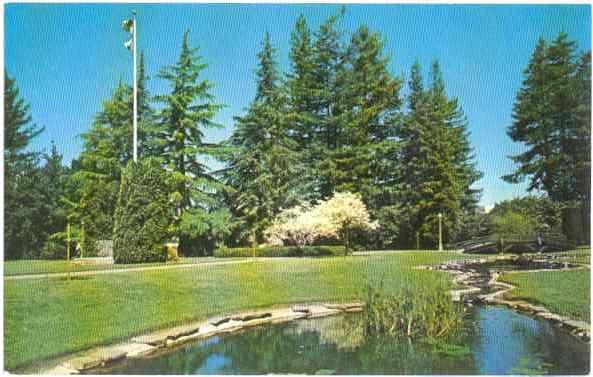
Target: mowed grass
[(25, 267), (564, 292), (580, 256), (44, 318)]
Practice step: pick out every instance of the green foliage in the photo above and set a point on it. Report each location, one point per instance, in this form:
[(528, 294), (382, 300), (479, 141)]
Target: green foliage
[(143, 215), (54, 248), (557, 82), (280, 251), (512, 224), (33, 184), (536, 214), (263, 166), (94, 184), (426, 313), (438, 168), (552, 117), (178, 140)]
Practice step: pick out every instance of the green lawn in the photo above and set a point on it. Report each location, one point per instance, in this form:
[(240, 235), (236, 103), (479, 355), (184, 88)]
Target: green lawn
[(563, 292), (580, 256), (47, 317), (22, 267)]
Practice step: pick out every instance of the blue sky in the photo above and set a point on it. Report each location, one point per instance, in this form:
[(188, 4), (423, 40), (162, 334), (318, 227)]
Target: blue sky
[(68, 58)]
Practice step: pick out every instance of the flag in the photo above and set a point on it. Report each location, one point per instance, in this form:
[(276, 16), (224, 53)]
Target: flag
[(129, 45), (128, 25)]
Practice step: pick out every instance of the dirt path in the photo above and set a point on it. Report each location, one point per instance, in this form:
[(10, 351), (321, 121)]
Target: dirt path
[(121, 270)]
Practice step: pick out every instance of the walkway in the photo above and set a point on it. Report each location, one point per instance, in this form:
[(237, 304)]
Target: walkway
[(121, 270)]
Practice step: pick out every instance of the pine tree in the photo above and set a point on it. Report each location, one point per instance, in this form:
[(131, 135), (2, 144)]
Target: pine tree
[(551, 117), (438, 168), (189, 109), (263, 168), (371, 101), (24, 208), (330, 76), (107, 148)]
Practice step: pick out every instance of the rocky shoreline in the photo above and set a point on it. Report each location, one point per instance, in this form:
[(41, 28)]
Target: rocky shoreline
[(154, 342), (481, 286)]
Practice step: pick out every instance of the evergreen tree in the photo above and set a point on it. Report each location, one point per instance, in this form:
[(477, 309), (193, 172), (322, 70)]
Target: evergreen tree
[(24, 208), (107, 148), (552, 118), (330, 77), (263, 167), (371, 102), (188, 109), (438, 168)]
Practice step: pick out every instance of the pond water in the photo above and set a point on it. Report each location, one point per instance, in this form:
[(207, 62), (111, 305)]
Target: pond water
[(497, 341)]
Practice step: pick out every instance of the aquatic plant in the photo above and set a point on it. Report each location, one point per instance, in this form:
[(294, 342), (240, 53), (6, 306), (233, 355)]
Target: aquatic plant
[(428, 312)]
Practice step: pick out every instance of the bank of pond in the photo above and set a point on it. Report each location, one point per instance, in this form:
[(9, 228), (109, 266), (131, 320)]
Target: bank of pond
[(492, 340)]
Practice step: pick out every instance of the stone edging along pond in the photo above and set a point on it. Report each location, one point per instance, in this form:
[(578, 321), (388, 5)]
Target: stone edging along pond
[(145, 345), (468, 277)]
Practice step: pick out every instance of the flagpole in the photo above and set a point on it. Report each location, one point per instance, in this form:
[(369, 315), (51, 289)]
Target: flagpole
[(135, 91)]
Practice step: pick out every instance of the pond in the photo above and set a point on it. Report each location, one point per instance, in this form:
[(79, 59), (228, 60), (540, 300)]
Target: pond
[(496, 341)]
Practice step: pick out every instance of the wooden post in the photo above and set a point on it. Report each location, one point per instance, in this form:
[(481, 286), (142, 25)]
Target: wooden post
[(82, 238), (68, 241)]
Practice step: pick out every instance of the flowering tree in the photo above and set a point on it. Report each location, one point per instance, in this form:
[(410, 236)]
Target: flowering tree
[(335, 218), (345, 212)]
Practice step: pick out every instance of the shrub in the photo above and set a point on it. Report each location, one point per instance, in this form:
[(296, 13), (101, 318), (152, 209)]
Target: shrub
[(54, 247), (143, 214), (279, 251), (340, 218)]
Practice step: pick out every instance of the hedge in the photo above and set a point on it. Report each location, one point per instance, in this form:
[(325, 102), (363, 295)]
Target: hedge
[(143, 214), (280, 251)]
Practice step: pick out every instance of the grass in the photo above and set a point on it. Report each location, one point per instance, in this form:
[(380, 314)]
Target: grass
[(563, 292), (24, 267), (580, 256), (44, 318)]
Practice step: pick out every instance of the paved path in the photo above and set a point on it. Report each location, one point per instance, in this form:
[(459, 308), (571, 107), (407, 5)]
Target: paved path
[(121, 270)]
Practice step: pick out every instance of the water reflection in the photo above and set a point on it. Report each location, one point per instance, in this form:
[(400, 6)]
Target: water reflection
[(496, 341)]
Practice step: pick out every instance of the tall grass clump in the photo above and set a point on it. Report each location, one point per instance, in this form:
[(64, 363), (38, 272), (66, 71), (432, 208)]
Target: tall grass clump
[(427, 312)]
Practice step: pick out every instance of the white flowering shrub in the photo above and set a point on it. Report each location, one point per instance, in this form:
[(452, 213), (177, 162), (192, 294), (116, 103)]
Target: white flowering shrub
[(335, 218)]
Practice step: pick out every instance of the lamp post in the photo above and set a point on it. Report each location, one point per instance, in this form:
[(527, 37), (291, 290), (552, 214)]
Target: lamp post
[(440, 232)]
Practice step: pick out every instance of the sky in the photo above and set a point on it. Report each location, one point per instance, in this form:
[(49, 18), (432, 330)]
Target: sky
[(68, 58)]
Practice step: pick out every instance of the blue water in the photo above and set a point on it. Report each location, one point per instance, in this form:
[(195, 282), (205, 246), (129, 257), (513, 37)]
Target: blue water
[(497, 341)]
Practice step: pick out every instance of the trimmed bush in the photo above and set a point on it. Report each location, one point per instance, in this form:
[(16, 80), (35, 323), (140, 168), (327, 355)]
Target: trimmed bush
[(143, 214), (279, 251)]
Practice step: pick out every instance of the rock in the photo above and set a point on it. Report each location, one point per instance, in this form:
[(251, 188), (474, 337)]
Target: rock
[(83, 362), (353, 309), (581, 325), (217, 321), (230, 326), (321, 311), (251, 316), (300, 309), (154, 339), (285, 315), (62, 370), (134, 350), (108, 355), (343, 306)]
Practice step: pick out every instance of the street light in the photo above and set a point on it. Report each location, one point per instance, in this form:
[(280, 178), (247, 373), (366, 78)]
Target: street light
[(440, 232)]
